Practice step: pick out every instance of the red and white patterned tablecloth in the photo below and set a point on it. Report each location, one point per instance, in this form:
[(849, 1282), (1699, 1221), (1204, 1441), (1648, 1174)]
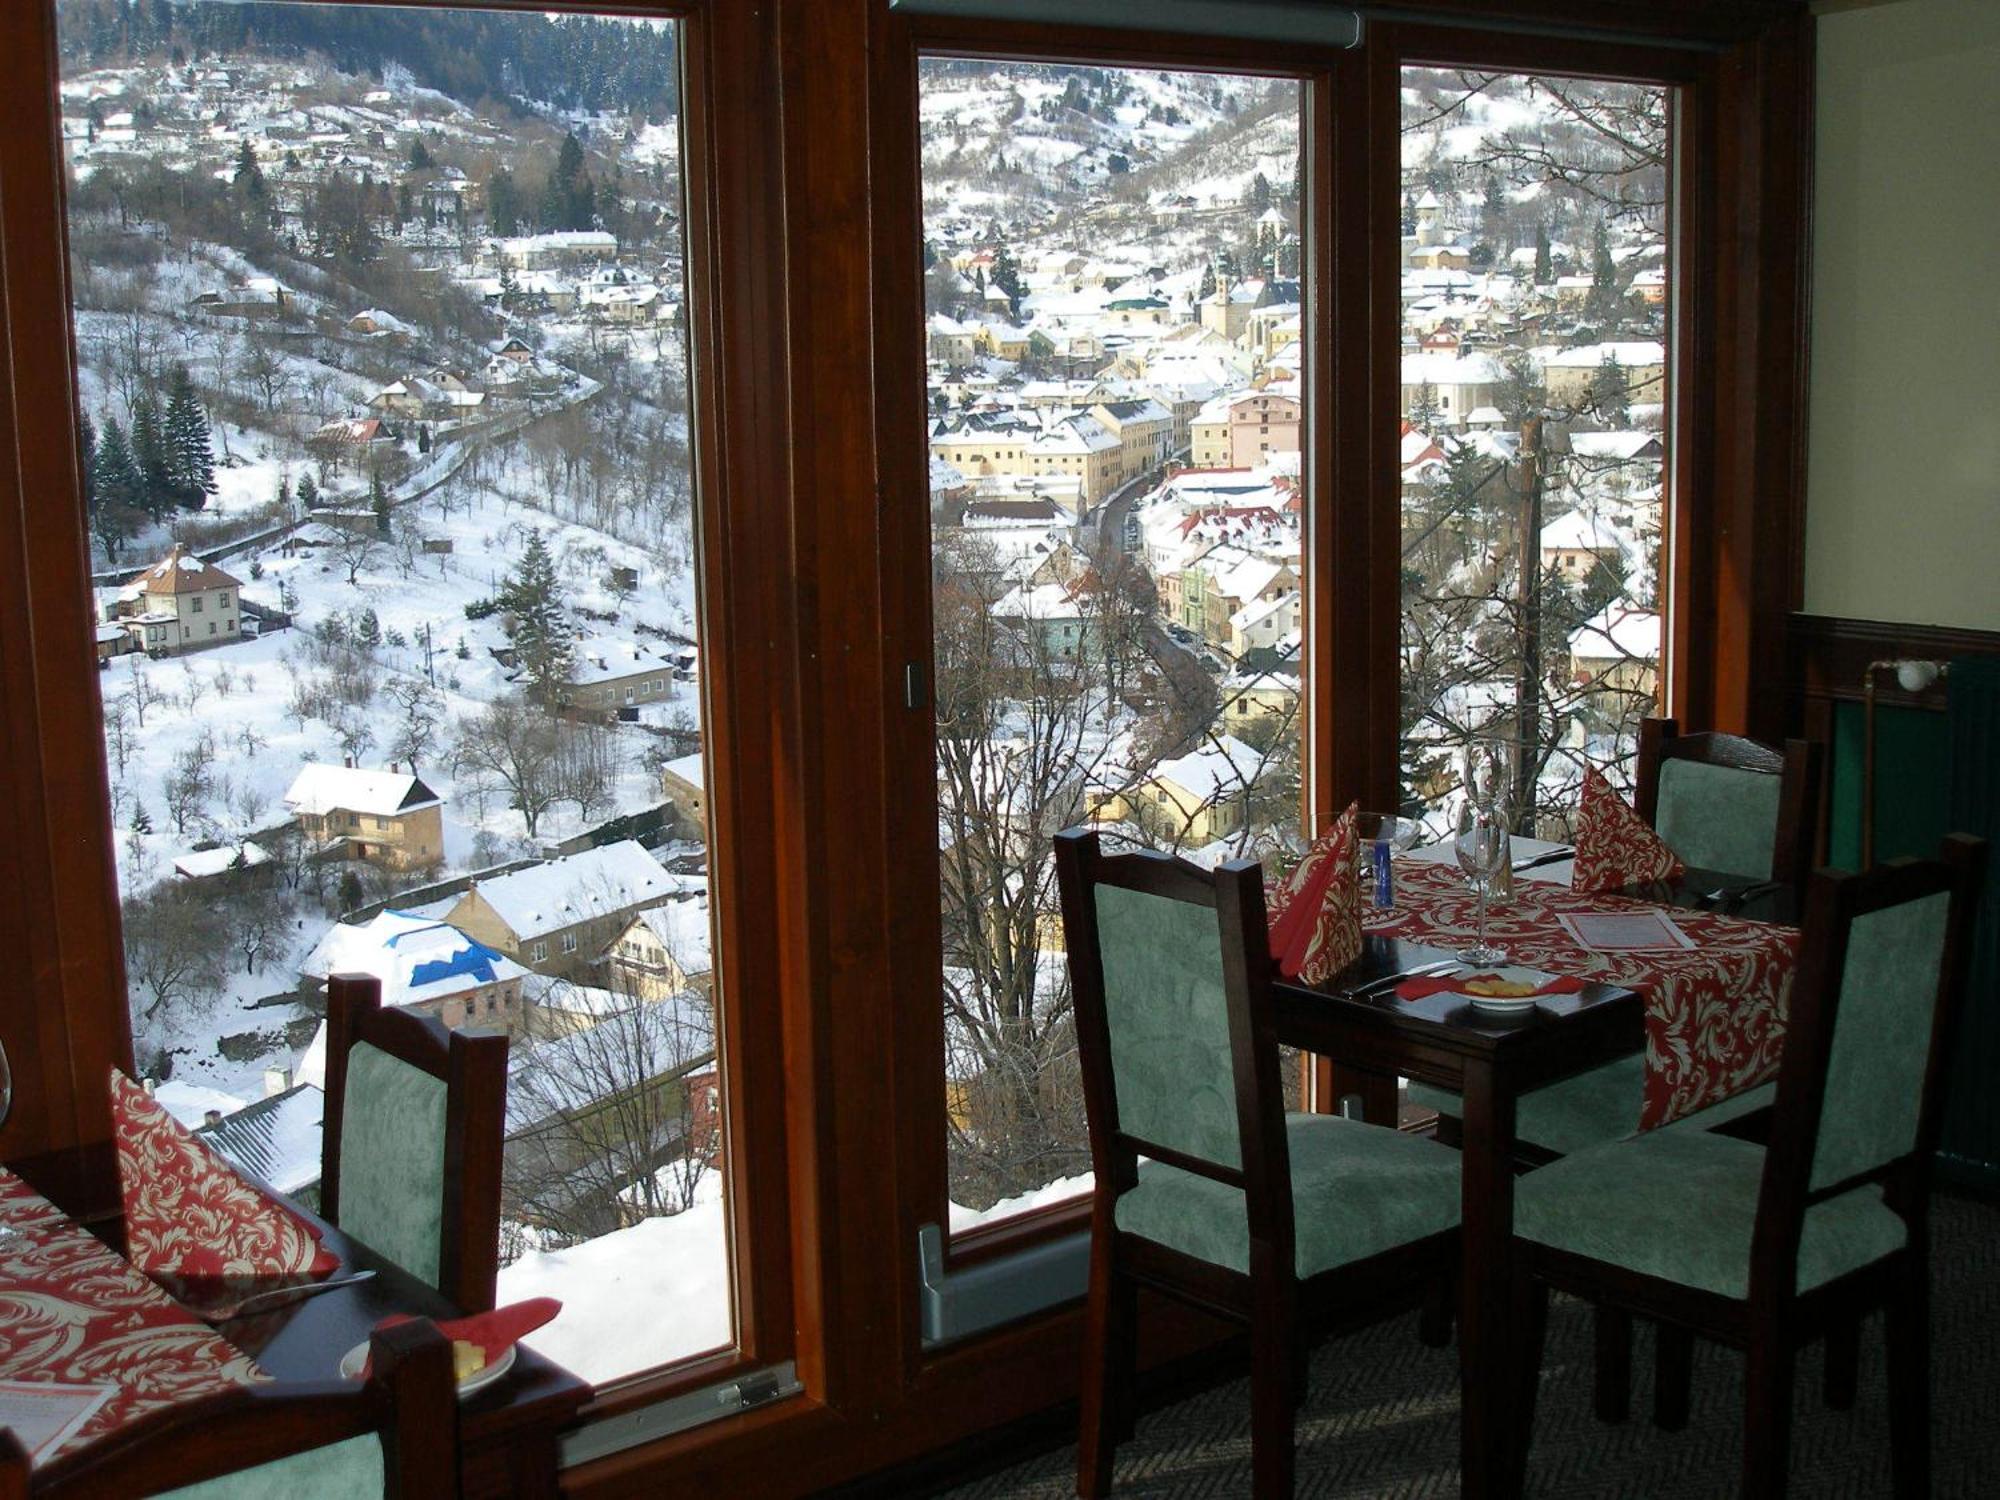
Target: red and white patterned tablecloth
[(1715, 1013), (72, 1311)]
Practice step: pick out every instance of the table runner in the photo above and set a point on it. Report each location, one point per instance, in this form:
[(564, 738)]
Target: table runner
[(1715, 1014), (74, 1312)]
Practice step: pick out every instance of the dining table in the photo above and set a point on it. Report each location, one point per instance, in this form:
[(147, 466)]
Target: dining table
[(1708, 1016), (74, 1312)]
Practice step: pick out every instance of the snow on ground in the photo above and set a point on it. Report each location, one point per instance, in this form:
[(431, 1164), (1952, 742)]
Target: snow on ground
[(679, 1264), (1059, 1191)]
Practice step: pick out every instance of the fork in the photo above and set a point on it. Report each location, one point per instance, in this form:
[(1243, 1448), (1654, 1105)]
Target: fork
[(230, 1311), (1389, 981)]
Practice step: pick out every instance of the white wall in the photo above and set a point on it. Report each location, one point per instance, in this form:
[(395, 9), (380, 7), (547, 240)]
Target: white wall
[(1903, 477)]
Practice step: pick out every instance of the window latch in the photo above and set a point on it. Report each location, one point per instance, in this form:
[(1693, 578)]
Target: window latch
[(913, 685)]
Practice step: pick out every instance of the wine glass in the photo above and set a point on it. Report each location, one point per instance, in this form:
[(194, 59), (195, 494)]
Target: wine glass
[(6, 1085), (1488, 773), (1482, 849)]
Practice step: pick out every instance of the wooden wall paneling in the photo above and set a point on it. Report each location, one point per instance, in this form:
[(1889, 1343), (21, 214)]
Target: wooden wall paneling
[(66, 1020)]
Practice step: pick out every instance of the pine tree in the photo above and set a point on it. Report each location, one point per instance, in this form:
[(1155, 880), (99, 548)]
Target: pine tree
[(308, 491), (190, 455), (368, 629), (1007, 277), (378, 501), (1545, 266), (149, 454), (1604, 278), (1260, 193), (1609, 392), (115, 476), (503, 204), (541, 632), (1207, 287), (86, 454), (249, 177)]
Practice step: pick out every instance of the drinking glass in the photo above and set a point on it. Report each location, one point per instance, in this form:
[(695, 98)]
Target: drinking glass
[(1482, 850), (1488, 772)]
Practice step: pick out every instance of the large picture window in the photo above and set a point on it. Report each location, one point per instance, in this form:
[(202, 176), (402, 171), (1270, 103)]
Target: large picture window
[(382, 347), (1537, 274), (1116, 416)]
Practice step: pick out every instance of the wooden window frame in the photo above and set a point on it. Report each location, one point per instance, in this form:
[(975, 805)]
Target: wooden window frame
[(63, 913)]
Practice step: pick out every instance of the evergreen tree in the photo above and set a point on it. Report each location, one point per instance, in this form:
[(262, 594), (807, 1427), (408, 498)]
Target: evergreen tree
[(378, 501), (115, 476), (1424, 410), (1609, 392), (308, 491), (531, 596), (1604, 296), (1207, 287), (1545, 266), (420, 156), (149, 455), (1007, 277), (249, 177), (190, 455), (86, 454), (1260, 194), (569, 197), (503, 204), (368, 629)]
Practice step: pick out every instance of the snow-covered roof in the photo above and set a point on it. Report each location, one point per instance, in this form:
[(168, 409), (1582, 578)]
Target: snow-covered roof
[(1617, 445), (190, 1103), (1223, 767), (1580, 531), (1628, 353), (206, 862), (605, 659), (560, 239), (562, 892), (276, 1139), (1436, 368), (683, 930), (1618, 630), (318, 790), (687, 768), (417, 958)]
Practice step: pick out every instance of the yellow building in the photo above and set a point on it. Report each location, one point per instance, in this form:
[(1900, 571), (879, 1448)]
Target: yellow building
[(1200, 797), (558, 917), (179, 604), (385, 817)]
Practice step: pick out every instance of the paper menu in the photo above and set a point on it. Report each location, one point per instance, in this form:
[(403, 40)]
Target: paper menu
[(44, 1415), (1625, 932)]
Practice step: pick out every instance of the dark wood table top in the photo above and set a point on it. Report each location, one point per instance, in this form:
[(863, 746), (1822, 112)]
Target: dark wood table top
[(305, 1340)]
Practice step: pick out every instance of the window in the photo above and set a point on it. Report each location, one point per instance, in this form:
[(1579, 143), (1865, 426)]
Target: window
[(1058, 697), (237, 180), (1533, 512)]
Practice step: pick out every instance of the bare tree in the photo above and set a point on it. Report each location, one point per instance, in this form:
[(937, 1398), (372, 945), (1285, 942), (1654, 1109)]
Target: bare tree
[(418, 708), (174, 946), (355, 545), (607, 1122), (187, 789), (514, 743)]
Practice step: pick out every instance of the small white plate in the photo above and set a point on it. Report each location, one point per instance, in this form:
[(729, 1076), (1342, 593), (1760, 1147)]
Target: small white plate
[(356, 1359), (1497, 1005)]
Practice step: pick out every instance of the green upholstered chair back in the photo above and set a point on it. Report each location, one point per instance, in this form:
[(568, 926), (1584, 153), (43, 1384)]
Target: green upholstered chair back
[(1882, 1030), (392, 1159), (1721, 818), (350, 1470), (1166, 1012)]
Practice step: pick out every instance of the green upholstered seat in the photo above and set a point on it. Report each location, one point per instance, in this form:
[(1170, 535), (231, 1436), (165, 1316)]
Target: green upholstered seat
[(1586, 1109), (392, 1137), (1720, 818), (1356, 1190), (1681, 1205), (1735, 1107), (350, 1470)]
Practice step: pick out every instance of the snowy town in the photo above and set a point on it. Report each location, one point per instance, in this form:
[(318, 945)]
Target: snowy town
[(398, 595)]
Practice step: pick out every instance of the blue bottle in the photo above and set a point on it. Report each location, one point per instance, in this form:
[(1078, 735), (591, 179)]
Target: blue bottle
[(1385, 885)]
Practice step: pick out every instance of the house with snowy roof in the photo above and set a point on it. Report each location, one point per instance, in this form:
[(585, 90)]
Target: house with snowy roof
[(1617, 650), (608, 674), (276, 1139), (683, 781), (556, 917), (1197, 798), (664, 950), (424, 965), (179, 604), (1245, 427), (1576, 544), (389, 817)]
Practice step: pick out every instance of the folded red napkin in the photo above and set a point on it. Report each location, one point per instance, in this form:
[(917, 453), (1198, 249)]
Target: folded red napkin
[(189, 1213), (1418, 989), (1614, 847), (497, 1331), (1315, 911)]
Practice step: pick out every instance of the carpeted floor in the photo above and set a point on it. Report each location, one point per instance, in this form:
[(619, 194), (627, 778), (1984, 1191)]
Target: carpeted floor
[(1381, 1418)]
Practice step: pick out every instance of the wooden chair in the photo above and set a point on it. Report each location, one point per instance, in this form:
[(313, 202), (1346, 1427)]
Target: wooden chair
[(1289, 1224), (1732, 805), (1726, 804), (415, 1117), (396, 1435), (1767, 1247)]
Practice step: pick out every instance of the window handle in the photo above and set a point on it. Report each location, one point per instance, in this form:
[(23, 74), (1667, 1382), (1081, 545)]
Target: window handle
[(913, 685)]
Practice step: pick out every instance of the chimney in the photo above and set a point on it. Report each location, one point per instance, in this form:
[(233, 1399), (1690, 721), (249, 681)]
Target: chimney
[(211, 1117), (276, 1081)]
